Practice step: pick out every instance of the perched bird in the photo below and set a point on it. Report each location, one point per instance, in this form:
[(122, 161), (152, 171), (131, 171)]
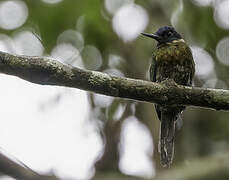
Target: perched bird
[(172, 63)]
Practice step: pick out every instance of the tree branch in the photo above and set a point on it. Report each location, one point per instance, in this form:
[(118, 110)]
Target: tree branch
[(15, 170), (46, 71)]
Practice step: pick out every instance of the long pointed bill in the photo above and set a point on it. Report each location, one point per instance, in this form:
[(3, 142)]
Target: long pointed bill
[(154, 36)]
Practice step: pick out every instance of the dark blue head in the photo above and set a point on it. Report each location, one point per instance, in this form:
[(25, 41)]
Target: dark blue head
[(164, 34)]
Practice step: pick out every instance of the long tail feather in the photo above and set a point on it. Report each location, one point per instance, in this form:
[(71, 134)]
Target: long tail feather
[(167, 136)]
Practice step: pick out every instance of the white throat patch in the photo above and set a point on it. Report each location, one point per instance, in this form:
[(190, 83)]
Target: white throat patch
[(178, 40)]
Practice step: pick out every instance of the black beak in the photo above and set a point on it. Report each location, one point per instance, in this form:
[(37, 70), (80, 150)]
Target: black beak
[(154, 36)]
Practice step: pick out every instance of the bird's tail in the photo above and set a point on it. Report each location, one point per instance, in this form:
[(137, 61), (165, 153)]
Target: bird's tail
[(167, 136)]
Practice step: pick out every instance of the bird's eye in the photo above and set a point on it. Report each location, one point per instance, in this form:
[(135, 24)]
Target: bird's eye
[(170, 33)]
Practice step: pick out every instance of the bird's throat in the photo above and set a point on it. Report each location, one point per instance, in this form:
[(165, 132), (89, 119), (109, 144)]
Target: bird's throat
[(176, 41)]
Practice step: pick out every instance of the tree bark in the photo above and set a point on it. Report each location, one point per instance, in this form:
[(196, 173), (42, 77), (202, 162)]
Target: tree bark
[(46, 71)]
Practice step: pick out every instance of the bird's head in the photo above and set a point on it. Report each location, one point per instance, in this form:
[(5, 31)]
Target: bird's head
[(165, 35)]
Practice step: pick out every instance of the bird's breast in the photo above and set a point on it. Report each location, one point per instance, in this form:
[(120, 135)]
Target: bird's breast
[(174, 61), (172, 52)]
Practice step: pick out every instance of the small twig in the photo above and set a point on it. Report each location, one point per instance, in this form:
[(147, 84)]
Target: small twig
[(15, 170)]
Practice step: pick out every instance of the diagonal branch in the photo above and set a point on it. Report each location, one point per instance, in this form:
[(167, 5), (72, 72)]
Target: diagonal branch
[(15, 170), (46, 71)]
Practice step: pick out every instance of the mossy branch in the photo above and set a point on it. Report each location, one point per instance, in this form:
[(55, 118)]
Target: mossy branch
[(46, 71)]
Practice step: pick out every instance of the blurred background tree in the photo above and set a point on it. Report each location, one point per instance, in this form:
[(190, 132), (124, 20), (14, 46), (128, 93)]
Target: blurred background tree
[(82, 135)]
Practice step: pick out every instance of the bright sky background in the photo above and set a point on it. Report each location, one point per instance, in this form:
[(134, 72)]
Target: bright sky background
[(47, 128), (45, 132)]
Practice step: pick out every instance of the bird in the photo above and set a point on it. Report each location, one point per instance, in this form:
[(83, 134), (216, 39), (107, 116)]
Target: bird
[(172, 64)]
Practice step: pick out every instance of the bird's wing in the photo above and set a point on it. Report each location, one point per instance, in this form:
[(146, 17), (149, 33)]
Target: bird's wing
[(193, 66), (153, 70), (152, 75)]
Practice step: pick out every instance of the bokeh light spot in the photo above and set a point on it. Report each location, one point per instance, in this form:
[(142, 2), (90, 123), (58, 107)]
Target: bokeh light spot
[(222, 51), (7, 178), (67, 53), (26, 43), (52, 1), (115, 61), (113, 5), (203, 62), (202, 2), (221, 14), (13, 14), (129, 21), (92, 57), (73, 37), (215, 83), (6, 44), (136, 149), (114, 72), (119, 112), (102, 100)]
